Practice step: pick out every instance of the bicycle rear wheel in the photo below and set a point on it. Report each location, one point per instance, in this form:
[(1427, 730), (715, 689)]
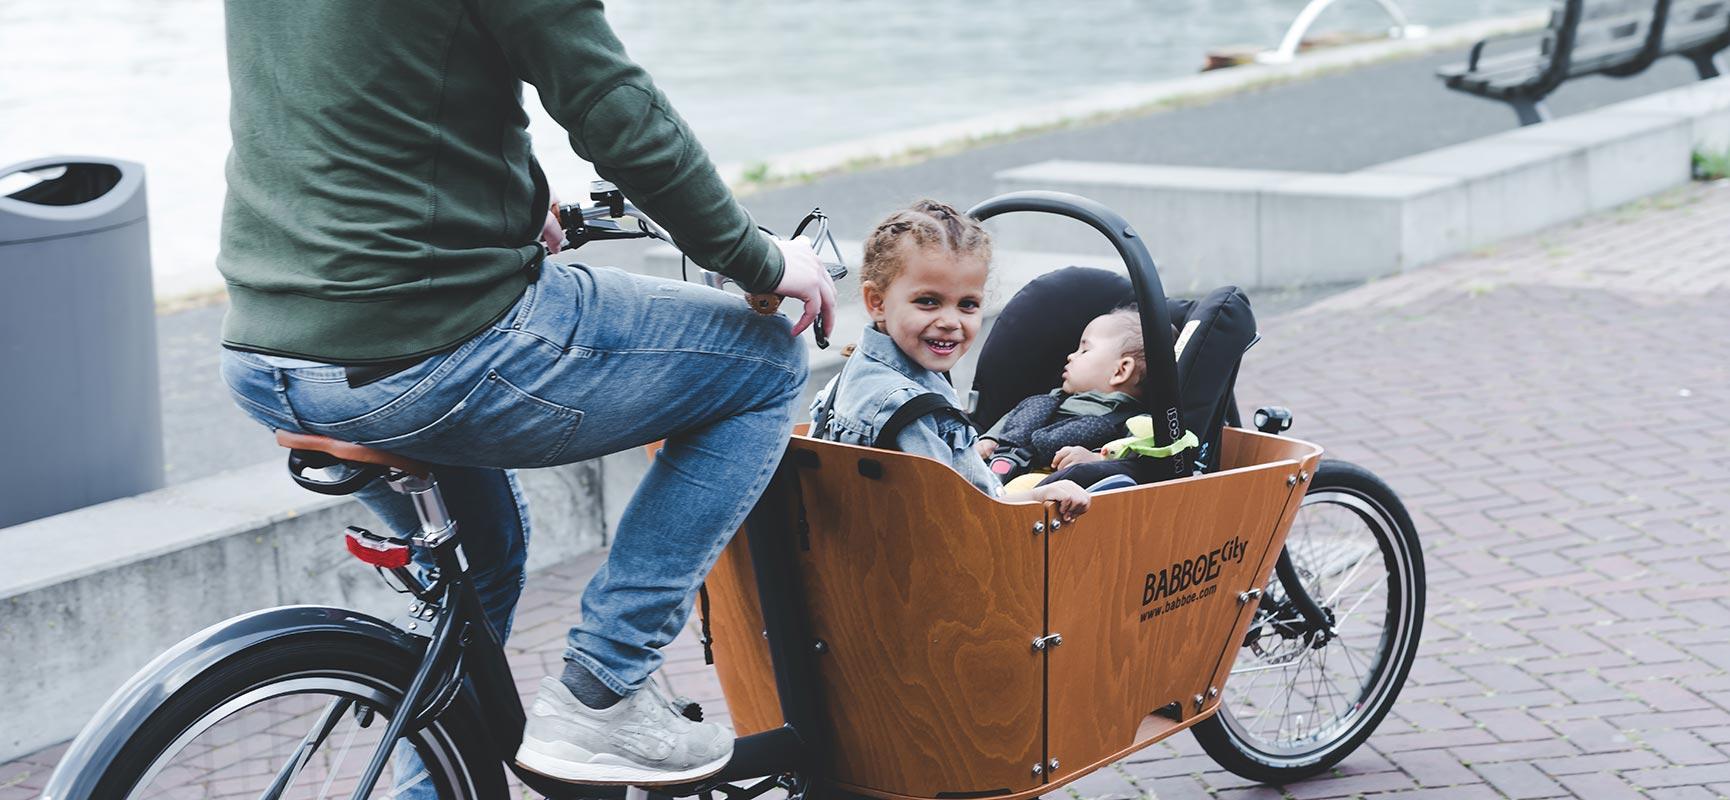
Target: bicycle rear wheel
[(298, 719), (1299, 700)]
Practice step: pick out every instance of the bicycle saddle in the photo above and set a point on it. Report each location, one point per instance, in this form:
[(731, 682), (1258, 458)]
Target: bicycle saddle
[(348, 451)]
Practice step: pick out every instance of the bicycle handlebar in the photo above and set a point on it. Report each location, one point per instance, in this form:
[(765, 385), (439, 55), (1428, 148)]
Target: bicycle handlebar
[(602, 222)]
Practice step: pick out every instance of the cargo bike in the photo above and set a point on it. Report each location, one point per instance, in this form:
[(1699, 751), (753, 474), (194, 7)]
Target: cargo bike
[(880, 627)]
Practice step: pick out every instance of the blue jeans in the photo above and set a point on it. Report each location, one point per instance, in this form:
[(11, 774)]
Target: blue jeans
[(590, 361)]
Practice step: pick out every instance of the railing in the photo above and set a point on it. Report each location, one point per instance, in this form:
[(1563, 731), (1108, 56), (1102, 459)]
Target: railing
[(1300, 27)]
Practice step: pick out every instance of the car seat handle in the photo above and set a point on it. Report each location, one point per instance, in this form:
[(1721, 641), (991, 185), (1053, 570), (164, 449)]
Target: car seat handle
[(1161, 392)]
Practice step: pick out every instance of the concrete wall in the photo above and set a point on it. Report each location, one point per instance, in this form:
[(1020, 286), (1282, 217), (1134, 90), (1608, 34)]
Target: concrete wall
[(89, 596)]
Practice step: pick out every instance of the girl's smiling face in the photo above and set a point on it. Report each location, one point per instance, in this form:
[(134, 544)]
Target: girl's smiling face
[(932, 309)]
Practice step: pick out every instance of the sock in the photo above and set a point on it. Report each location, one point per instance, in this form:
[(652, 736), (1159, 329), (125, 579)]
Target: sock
[(588, 688)]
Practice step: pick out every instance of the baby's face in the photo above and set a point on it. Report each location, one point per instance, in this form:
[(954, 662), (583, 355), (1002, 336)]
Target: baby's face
[(1099, 359)]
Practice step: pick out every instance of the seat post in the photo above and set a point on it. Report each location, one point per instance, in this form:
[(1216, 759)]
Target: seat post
[(436, 525)]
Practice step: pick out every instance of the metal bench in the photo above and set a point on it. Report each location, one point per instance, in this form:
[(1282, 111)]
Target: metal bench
[(1618, 38)]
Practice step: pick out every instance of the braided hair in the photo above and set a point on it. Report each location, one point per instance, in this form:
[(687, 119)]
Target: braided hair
[(925, 224)]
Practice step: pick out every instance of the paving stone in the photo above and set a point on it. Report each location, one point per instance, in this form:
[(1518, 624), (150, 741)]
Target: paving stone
[(1349, 786), (1598, 786), (1434, 767), (1681, 747), (1474, 791), (1177, 788), (1513, 725), (1594, 735), (1683, 793), (1108, 783), (1679, 776), (1593, 762), (1513, 751), (1519, 780)]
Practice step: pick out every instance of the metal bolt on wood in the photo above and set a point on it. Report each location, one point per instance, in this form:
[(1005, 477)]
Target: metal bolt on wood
[(1056, 524), (1245, 597), (1038, 769), (1038, 527)]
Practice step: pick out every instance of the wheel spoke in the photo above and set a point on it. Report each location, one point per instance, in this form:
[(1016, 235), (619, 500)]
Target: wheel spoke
[(341, 757), (314, 737)]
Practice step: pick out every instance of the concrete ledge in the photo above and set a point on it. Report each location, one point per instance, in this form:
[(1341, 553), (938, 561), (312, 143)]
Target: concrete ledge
[(1706, 105), (1511, 188), (1627, 155), (1260, 229), (89, 596)]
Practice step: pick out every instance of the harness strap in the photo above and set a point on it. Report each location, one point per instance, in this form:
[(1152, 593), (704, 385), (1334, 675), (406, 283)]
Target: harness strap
[(905, 415)]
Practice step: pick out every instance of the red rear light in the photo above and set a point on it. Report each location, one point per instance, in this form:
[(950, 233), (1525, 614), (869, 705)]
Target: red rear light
[(376, 550)]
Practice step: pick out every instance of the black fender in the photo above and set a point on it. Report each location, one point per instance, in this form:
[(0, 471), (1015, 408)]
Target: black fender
[(135, 701)]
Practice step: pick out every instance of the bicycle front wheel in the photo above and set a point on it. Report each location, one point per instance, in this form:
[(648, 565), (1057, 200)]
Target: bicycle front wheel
[(1299, 699), (298, 719)]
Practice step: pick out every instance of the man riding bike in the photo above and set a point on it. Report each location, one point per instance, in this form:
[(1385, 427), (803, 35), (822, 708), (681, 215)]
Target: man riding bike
[(386, 287)]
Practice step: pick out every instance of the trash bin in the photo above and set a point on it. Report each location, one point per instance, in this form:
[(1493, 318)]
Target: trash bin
[(80, 412)]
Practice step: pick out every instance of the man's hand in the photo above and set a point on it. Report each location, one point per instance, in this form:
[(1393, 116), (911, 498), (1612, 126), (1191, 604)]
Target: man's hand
[(553, 233), (1072, 455), (1072, 500), (985, 448), (804, 279)]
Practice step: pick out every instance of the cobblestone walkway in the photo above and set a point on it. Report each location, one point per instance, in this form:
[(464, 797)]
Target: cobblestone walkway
[(1556, 414)]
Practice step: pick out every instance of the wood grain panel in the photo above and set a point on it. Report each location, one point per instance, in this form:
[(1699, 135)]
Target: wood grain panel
[(741, 653), (927, 595), (1249, 445), (1136, 635)]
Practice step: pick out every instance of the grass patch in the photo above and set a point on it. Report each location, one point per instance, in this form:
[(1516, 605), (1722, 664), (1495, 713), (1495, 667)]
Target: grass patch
[(1711, 166)]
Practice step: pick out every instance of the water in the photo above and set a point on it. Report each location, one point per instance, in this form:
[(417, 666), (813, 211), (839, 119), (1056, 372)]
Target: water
[(145, 79)]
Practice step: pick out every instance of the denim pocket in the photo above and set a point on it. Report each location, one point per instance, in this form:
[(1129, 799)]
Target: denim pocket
[(497, 424)]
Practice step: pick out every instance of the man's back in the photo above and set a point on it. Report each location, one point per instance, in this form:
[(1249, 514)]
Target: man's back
[(383, 200), (381, 179)]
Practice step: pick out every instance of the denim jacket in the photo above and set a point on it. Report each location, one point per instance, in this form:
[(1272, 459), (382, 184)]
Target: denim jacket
[(877, 380)]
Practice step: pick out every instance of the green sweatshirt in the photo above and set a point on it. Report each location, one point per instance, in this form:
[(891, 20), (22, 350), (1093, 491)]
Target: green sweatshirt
[(383, 201)]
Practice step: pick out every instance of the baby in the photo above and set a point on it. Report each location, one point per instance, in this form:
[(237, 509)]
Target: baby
[(1100, 392)]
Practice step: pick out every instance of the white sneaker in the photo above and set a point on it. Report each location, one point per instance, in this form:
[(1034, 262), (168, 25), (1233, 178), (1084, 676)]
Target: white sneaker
[(640, 740)]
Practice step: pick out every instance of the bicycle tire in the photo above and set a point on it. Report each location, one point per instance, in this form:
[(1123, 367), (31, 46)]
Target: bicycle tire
[(1227, 736), (461, 766)]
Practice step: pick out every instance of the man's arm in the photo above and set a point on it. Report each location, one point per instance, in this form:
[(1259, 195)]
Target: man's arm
[(620, 122)]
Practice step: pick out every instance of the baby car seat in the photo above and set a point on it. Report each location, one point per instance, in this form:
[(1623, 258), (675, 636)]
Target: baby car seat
[(1039, 326)]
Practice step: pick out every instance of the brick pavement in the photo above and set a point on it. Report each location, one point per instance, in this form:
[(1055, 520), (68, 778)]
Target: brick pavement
[(1556, 414)]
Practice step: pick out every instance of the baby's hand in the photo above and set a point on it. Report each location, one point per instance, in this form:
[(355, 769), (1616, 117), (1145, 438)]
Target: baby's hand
[(1072, 455), (985, 448), (1071, 499)]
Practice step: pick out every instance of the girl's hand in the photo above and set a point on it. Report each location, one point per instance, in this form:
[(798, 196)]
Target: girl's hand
[(1072, 455), (1072, 500), (985, 448)]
